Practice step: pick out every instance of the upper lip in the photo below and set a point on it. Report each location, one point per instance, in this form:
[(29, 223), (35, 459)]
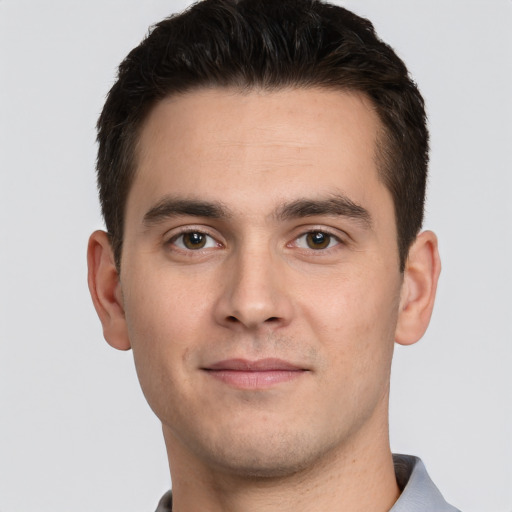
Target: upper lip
[(260, 365)]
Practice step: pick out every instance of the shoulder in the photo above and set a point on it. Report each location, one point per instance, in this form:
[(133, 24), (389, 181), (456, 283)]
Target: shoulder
[(165, 503), (419, 493)]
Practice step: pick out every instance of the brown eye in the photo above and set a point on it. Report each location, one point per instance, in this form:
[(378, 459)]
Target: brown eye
[(194, 241), (318, 240)]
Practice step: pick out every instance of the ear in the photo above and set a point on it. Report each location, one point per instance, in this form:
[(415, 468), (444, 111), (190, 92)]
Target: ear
[(419, 286), (105, 288)]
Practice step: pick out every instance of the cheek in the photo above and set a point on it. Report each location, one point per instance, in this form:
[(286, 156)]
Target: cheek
[(165, 321), (164, 308), (355, 315)]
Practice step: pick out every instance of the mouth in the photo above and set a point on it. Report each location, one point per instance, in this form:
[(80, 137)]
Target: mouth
[(259, 374)]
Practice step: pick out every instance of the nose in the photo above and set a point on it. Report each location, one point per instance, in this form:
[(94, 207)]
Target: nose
[(254, 294)]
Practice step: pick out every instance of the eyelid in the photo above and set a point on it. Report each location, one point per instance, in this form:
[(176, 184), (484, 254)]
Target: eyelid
[(338, 235), (172, 235), (332, 238)]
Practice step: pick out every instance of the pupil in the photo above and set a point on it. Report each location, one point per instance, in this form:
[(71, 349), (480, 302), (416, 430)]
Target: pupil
[(194, 240), (318, 240)]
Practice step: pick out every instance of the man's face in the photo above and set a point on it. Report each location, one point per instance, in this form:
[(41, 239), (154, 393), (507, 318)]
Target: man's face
[(260, 276)]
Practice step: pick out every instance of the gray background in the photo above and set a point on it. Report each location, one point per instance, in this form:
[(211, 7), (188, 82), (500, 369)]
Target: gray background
[(75, 431)]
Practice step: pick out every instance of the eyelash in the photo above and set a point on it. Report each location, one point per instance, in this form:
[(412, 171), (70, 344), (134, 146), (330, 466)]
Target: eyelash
[(333, 241), (208, 244)]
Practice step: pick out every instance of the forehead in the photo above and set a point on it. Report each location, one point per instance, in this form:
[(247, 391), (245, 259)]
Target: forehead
[(254, 147)]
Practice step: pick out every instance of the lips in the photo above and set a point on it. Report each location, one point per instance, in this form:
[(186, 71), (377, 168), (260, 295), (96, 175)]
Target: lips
[(259, 374)]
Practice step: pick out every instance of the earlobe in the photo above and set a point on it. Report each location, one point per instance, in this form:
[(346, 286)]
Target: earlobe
[(418, 289), (105, 289)]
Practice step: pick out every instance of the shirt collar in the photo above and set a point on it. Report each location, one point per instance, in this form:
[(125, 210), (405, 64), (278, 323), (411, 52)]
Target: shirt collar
[(418, 492)]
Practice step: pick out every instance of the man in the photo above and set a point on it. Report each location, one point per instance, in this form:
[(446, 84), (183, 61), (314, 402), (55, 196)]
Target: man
[(262, 171)]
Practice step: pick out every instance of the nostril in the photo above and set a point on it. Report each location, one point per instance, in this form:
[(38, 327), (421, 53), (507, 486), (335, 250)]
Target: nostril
[(234, 320)]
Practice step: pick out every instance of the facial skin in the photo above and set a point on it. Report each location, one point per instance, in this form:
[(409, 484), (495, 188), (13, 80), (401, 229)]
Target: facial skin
[(266, 350)]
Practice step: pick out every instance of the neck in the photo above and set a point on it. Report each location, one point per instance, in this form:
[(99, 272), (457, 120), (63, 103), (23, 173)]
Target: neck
[(359, 477)]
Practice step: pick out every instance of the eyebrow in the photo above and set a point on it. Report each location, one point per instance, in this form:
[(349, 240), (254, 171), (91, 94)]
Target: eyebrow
[(338, 205), (170, 207)]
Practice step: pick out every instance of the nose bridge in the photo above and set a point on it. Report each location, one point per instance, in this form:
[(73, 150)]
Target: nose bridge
[(254, 294)]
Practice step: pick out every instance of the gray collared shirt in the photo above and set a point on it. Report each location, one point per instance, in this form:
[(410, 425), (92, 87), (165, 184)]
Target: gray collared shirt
[(418, 492)]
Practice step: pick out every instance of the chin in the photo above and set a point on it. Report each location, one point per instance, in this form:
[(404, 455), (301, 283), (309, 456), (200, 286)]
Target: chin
[(261, 468), (268, 457)]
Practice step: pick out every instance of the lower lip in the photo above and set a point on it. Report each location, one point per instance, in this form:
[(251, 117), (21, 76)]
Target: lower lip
[(255, 379)]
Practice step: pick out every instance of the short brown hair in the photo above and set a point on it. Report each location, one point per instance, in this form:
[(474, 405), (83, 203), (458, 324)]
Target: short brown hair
[(272, 45)]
